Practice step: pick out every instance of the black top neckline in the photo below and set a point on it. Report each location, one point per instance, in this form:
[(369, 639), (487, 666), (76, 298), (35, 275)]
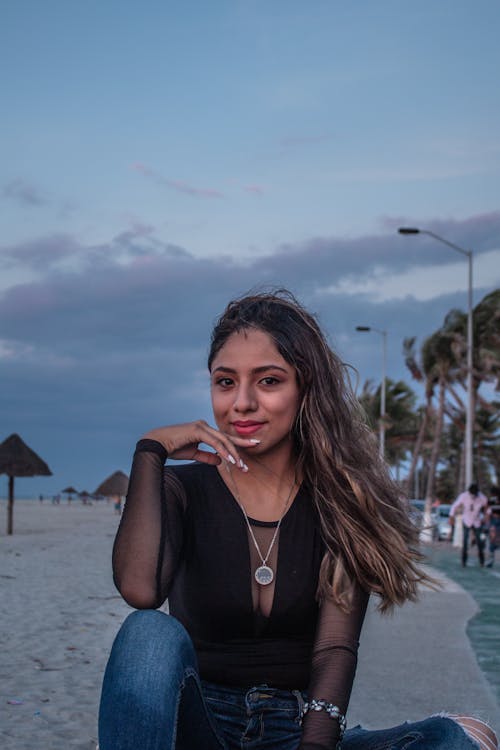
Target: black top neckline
[(255, 521)]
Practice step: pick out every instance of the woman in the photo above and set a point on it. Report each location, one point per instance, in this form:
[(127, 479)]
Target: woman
[(267, 547)]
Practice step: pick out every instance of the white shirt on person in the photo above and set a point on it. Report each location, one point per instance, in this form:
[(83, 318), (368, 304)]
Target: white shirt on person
[(472, 508)]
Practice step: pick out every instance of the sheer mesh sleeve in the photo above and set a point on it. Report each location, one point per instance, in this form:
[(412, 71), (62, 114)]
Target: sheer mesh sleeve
[(334, 662), (149, 539)]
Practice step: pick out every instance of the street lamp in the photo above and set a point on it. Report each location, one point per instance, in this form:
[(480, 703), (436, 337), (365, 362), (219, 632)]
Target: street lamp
[(382, 390), (469, 420)]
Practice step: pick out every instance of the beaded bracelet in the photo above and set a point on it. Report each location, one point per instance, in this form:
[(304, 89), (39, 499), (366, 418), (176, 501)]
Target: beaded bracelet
[(318, 704)]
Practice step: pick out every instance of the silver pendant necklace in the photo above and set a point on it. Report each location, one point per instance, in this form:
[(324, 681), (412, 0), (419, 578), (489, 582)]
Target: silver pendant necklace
[(264, 574)]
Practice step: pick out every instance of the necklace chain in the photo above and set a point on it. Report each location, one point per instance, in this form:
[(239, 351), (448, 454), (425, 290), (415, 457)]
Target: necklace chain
[(264, 560)]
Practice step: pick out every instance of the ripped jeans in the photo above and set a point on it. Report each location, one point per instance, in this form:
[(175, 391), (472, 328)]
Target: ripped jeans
[(153, 699)]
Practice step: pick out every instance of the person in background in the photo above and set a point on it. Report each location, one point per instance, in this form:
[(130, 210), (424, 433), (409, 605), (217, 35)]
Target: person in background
[(493, 533), (472, 505), (117, 504), (267, 546)]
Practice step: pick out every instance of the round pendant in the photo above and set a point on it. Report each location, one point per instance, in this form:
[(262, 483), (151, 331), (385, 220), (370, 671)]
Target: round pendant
[(264, 575)]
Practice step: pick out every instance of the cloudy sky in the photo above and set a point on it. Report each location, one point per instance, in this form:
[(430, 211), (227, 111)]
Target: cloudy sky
[(159, 158)]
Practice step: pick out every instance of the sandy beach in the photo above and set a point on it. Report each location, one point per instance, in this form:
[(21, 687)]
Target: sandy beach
[(60, 613)]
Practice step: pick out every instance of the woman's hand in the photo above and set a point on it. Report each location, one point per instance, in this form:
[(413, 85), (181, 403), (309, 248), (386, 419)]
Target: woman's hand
[(181, 441)]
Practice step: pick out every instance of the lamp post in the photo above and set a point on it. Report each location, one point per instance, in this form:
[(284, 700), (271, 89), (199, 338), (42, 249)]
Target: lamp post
[(382, 388), (469, 419)]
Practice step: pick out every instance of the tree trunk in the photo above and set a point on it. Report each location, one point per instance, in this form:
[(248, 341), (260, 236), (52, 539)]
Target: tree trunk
[(478, 474), (416, 451), (474, 428), (10, 506), (429, 494), (459, 470)]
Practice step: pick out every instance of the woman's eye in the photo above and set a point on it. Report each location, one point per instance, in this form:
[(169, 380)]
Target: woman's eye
[(224, 382), (270, 380)]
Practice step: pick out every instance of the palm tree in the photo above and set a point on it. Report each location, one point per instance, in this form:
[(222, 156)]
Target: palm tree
[(487, 449), (441, 367), (437, 369), (486, 354), (487, 340), (416, 370), (400, 421)]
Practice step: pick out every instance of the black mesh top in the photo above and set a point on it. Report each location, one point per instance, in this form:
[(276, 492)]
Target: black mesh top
[(183, 536)]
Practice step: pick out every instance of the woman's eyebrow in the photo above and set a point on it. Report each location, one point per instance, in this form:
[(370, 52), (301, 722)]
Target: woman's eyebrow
[(255, 370)]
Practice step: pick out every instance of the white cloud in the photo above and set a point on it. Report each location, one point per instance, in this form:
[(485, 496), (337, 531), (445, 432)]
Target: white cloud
[(422, 283)]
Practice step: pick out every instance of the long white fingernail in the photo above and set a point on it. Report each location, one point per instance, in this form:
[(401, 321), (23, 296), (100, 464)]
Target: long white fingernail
[(231, 458), (254, 440), (244, 467)]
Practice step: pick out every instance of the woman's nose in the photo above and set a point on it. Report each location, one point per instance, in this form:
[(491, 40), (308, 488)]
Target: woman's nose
[(245, 399)]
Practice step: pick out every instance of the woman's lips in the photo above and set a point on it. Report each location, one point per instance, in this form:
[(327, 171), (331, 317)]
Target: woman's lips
[(247, 428)]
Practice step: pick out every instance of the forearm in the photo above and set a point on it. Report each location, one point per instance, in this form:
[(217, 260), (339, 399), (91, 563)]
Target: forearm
[(332, 684), (333, 668), (138, 547)]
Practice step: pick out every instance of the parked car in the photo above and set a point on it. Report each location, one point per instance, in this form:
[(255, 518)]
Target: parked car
[(443, 527), (416, 511), (431, 533)]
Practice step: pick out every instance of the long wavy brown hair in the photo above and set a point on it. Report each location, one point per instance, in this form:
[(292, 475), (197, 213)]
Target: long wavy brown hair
[(366, 528)]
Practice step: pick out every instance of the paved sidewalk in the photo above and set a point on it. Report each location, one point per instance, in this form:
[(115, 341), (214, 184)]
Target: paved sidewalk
[(419, 661), (483, 584)]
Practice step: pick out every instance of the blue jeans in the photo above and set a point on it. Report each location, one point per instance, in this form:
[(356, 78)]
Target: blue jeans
[(153, 699)]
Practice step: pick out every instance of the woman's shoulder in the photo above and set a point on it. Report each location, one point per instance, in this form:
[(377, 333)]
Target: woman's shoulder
[(199, 487)]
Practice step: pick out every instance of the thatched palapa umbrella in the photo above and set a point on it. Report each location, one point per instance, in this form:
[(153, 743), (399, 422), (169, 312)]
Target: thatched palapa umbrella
[(18, 460), (116, 484), (84, 495), (69, 491)]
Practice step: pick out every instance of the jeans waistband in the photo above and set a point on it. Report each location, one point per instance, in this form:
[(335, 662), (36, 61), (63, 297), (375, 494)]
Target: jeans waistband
[(257, 698)]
